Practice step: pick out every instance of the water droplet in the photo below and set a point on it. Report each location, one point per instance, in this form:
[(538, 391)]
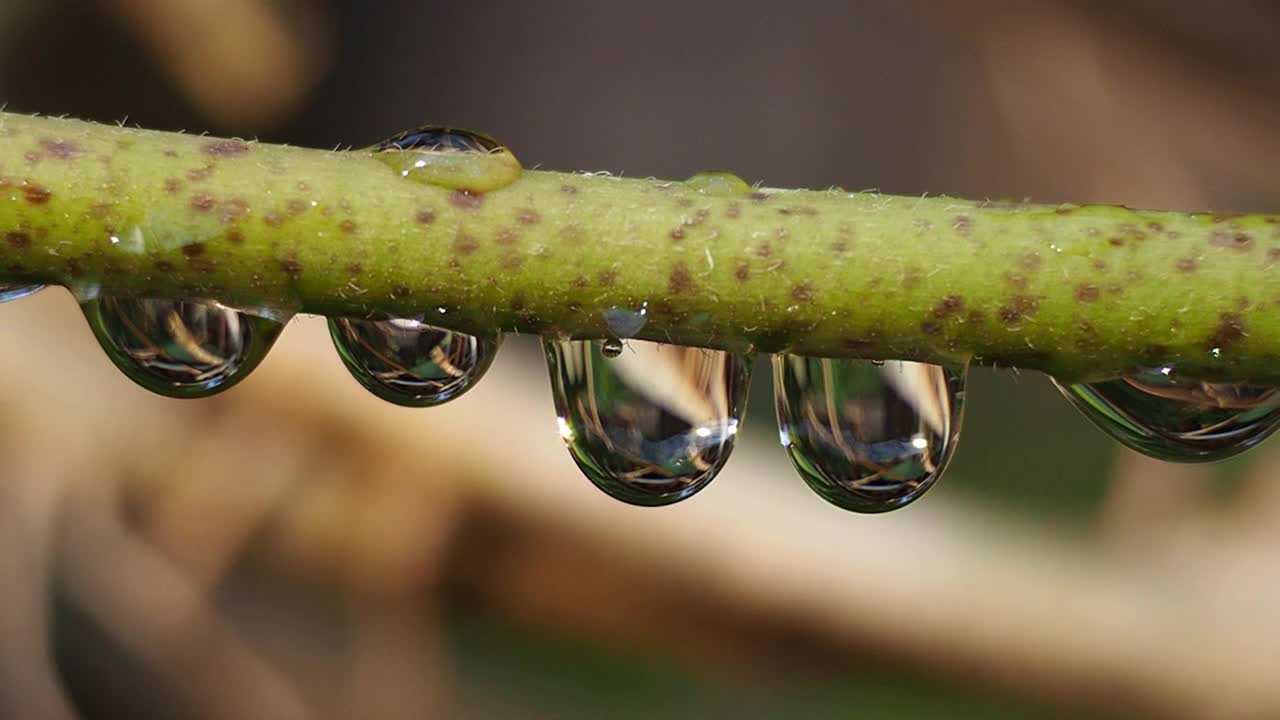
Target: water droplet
[(17, 292), (652, 426), (411, 363), (627, 323), (718, 183), (868, 437), (449, 157), (180, 348), (611, 348), (1160, 414)]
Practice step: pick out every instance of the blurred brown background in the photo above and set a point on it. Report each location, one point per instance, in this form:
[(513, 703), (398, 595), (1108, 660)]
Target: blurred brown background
[(298, 549)]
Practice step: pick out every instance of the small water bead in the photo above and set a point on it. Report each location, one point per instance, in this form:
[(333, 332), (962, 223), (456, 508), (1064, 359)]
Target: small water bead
[(868, 436), (1160, 414), (651, 426), (718, 183), (627, 323), (444, 156), (611, 348), (180, 348), (411, 363), (17, 292)]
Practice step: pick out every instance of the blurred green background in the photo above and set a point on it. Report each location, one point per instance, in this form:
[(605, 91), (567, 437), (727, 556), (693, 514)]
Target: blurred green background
[(297, 549)]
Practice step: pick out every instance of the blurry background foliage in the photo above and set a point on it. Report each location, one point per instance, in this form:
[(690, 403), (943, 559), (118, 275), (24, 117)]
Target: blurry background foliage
[(298, 549)]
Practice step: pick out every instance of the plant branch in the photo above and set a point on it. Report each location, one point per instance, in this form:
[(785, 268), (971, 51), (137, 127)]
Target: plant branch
[(1078, 291)]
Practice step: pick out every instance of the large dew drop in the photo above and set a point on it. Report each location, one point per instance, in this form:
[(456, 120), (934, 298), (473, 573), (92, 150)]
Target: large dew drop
[(446, 157), (1160, 414), (17, 292), (868, 437), (652, 425), (180, 348), (409, 362)]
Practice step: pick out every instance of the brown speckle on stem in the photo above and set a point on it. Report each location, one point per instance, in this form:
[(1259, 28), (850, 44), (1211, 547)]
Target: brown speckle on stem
[(466, 200), (400, 292), (930, 327), (203, 202), (232, 209), (348, 227), (1018, 309), (606, 278), (948, 306), (505, 237), (201, 174), (226, 148), (568, 189), (963, 225), (354, 268), (1231, 329), (758, 197), (425, 217), (802, 293), (742, 271), (1240, 241), (291, 267), (234, 236), (60, 149), (1188, 264), (1087, 293), (295, 207), (18, 240), (679, 280), (677, 234), (733, 212), (464, 244), (36, 194), (193, 250), (528, 216), (172, 185)]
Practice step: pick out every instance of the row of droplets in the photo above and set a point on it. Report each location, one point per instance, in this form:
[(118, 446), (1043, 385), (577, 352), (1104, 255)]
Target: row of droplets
[(651, 423)]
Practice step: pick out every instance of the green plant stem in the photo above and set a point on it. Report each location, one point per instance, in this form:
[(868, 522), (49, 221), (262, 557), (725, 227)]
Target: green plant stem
[(1078, 291)]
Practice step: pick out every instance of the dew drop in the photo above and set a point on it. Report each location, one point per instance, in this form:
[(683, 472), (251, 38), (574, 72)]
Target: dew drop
[(718, 183), (1160, 414), (625, 322), (611, 348), (17, 292), (411, 363), (868, 436), (652, 426), (180, 348), (444, 156)]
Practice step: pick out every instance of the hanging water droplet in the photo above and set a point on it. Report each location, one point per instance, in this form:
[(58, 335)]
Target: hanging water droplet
[(411, 363), (652, 426), (17, 292), (434, 154), (1160, 414), (180, 348), (625, 322), (611, 348), (868, 436)]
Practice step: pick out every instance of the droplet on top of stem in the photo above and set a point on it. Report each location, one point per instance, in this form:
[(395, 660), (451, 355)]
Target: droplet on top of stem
[(450, 158)]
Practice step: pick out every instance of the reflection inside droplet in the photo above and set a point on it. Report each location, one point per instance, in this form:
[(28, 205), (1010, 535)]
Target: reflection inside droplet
[(180, 348), (17, 292), (653, 425), (868, 436), (1159, 413), (408, 362)]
